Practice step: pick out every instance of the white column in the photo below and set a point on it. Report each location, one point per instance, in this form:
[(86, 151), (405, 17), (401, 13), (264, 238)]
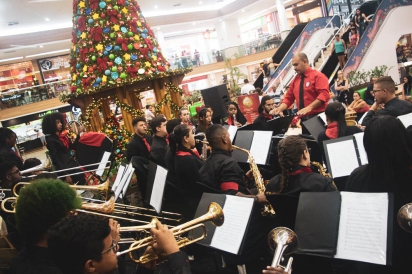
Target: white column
[(228, 34), (160, 38), (283, 22)]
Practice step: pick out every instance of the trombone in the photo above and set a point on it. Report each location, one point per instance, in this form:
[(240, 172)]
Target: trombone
[(284, 241), (214, 214)]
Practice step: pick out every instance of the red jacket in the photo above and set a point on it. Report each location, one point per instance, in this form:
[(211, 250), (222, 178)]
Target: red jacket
[(316, 86)]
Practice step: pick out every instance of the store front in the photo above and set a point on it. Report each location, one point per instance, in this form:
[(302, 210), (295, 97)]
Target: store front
[(54, 68), (28, 128), (17, 76)]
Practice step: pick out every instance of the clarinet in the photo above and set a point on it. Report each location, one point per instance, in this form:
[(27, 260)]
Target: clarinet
[(234, 120)]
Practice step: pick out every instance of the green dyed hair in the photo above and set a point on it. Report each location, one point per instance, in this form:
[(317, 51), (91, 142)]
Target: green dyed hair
[(42, 204)]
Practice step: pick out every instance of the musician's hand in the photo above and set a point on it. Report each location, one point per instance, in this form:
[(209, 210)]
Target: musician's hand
[(238, 124), (274, 270), (261, 198), (69, 180), (115, 229), (305, 110), (361, 127), (249, 175), (165, 240), (152, 264), (81, 129)]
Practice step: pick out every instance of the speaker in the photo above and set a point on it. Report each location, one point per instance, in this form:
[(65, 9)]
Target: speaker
[(217, 98)]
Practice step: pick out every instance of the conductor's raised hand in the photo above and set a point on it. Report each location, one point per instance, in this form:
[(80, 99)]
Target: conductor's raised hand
[(276, 111), (305, 111), (164, 239)]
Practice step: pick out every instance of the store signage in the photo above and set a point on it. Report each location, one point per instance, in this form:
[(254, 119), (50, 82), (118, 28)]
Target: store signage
[(252, 25), (47, 112), (54, 63)]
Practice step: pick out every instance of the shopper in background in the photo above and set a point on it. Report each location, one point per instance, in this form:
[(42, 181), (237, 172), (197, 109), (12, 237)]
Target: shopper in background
[(342, 87), (353, 41), (8, 140), (358, 106), (339, 47)]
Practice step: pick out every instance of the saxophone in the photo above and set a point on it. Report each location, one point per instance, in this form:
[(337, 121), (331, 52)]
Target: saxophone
[(321, 170), (203, 156), (267, 209)]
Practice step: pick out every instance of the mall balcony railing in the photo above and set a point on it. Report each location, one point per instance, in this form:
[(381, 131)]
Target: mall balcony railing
[(214, 56), (21, 96)]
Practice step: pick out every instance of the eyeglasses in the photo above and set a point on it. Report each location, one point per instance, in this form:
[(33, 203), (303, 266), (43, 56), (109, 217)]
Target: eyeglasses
[(374, 91), (11, 173), (114, 246)]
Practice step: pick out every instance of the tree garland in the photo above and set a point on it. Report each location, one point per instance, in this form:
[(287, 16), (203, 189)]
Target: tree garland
[(168, 99), (97, 103)]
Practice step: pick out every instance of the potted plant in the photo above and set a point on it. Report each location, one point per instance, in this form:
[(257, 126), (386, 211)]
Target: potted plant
[(235, 74)]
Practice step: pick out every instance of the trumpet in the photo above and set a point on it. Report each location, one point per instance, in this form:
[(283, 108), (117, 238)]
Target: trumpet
[(214, 214), (404, 217), (283, 241)]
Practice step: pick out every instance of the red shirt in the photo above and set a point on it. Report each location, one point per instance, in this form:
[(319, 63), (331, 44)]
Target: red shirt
[(316, 86)]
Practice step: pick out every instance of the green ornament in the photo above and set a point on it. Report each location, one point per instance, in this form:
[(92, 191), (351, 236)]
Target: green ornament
[(130, 47), (94, 58), (130, 33), (81, 74), (78, 90), (111, 56), (116, 7), (123, 75), (112, 35), (101, 22), (114, 68)]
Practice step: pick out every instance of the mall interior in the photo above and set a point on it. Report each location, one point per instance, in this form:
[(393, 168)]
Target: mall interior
[(75, 57), (36, 40)]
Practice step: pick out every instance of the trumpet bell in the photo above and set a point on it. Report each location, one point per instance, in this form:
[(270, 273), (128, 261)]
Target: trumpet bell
[(405, 217), (283, 237), (217, 212)]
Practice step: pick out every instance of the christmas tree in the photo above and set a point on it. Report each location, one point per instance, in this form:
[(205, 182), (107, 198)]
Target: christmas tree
[(112, 46)]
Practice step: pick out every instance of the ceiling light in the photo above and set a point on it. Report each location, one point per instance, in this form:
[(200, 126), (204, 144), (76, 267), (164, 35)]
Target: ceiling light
[(158, 28), (47, 19), (11, 59), (194, 23), (155, 7), (45, 53), (40, 46), (243, 10), (200, 2)]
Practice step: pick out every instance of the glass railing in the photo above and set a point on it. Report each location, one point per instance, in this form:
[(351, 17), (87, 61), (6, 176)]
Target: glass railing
[(22, 96), (214, 56)]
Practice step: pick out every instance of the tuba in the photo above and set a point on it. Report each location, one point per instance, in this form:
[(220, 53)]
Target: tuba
[(267, 209), (284, 241)]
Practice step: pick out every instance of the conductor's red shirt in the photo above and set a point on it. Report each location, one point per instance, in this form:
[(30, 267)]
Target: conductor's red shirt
[(316, 86)]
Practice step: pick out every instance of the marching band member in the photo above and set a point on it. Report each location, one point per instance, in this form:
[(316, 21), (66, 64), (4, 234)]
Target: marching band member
[(297, 176), (310, 89), (389, 152), (40, 205), (266, 106), (184, 116), (8, 140), (234, 116), (9, 176), (204, 120), (140, 144), (60, 146), (160, 142), (384, 92)]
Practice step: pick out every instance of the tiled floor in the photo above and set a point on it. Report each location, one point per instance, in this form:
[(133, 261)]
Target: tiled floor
[(36, 153)]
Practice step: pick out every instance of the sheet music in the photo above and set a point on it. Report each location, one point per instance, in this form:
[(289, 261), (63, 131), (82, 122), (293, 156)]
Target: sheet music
[(229, 236), (103, 163), (126, 184), (158, 188), (128, 171), (322, 116), (119, 176), (342, 158), (363, 227), (406, 119), (361, 119), (293, 131), (361, 149), (232, 132), (260, 146)]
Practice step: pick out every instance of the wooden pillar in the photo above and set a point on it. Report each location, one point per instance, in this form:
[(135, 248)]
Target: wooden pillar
[(106, 109), (94, 118), (132, 99), (127, 117), (159, 91), (176, 97)]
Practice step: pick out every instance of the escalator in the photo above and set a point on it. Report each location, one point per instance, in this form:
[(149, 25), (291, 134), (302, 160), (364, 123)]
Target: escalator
[(316, 35), (377, 45), (282, 50)]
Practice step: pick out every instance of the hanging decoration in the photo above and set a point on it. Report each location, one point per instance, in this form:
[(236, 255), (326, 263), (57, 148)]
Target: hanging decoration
[(167, 99)]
